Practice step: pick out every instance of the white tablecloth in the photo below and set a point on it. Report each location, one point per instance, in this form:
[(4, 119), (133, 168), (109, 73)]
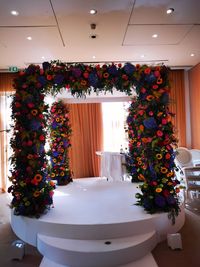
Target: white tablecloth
[(112, 165)]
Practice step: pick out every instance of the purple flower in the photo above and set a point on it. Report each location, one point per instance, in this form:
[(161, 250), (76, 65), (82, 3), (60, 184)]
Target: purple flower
[(160, 201), (77, 72), (171, 200), (58, 79)]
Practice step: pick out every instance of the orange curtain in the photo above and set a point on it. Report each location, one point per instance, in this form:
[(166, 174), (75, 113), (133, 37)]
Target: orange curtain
[(177, 105), (6, 88), (87, 138), (194, 84)]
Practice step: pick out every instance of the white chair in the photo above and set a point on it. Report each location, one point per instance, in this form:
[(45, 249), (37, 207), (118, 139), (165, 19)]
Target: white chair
[(189, 172)]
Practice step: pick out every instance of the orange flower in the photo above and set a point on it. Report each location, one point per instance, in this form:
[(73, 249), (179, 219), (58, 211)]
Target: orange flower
[(158, 190), (150, 97), (83, 82), (141, 127), (106, 75), (141, 177), (159, 81), (38, 177)]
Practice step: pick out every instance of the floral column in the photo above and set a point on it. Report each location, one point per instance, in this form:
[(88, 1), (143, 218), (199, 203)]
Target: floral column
[(60, 132)]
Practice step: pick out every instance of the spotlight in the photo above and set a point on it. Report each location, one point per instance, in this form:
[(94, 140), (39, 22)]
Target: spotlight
[(170, 10), (17, 250), (93, 11)]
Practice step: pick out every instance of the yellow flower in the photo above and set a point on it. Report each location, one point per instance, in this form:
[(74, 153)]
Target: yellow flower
[(57, 119), (141, 177), (140, 162), (164, 180), (34, 112), (36, 194), (52, 183), (158, 156), (158, 190), (53, 175), (170, 183), (54, 160), (62, 174), (164, 170), (170, 174)]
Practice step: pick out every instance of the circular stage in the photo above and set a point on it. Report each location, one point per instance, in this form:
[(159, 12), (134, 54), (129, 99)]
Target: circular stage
[(92, 211)]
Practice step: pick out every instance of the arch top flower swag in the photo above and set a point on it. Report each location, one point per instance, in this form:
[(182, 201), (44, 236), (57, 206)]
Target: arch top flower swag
[(149, 127)]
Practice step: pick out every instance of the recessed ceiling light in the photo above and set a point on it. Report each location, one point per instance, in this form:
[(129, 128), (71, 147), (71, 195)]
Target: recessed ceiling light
[(170, 10), (93, 57), (93, 11), (192, 55), (43, 57), (142, 56), (29, 38), (14, 12), (155, 35)]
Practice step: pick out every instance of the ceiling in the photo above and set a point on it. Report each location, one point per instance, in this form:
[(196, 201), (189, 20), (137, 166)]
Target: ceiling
[(61, 29)]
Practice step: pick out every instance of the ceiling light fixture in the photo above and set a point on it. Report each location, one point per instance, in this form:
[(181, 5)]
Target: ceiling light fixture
[(170, 10), (29, 38), (192, 55), (142, 56), (93, 57), (43, 57), (155, 35), (14, 13), (93, 11)]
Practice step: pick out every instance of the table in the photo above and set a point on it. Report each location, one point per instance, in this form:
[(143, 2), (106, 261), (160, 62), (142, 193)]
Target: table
[(112, 165)]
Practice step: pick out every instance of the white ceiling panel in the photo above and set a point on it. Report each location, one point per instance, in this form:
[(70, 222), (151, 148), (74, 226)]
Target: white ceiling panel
[(154, 12), (31, 13), (167, 34)]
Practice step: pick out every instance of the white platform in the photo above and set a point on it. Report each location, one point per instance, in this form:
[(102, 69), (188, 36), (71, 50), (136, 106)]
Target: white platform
[(89, 212)]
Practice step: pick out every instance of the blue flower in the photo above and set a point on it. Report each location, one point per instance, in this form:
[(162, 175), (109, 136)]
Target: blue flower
[(46, 65), (93, 79), (35, 125), (42, 80), (129, 68), (113, 70), (150, 123)]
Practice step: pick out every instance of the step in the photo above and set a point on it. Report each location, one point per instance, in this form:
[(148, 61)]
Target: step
[(147, 260), (98, 253)]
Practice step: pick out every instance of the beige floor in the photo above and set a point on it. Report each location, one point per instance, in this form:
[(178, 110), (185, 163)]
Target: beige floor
[(164, 256)]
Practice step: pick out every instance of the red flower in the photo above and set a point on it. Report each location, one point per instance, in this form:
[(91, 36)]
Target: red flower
[(159, 133), (17, 105), (125, 77), (147, 71), (85, 75), (30, 105), (49, 77), (41, 137), (29, 143)]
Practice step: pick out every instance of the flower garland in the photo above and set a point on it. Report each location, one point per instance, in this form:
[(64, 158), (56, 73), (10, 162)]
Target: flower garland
[(150, 130), (32, 192), (151, 141), (60, 131)]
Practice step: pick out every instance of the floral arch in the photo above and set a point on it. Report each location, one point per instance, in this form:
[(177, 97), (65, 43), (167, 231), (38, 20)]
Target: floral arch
[(150, 158)]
